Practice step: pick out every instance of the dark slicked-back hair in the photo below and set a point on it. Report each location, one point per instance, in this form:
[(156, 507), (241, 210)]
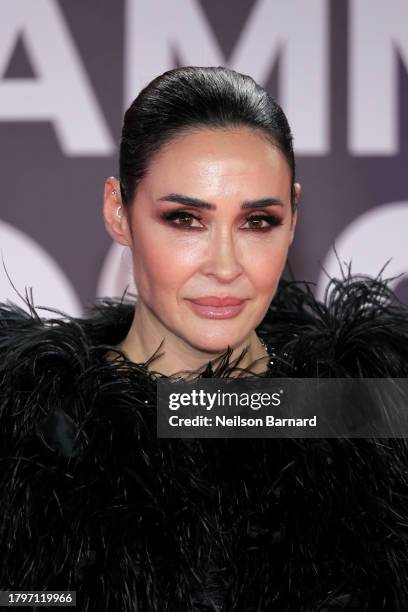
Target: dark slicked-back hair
[(190, 98)]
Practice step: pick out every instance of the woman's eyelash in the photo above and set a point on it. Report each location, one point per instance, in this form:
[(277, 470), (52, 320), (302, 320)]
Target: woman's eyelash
[(272, 220), (179, 214)]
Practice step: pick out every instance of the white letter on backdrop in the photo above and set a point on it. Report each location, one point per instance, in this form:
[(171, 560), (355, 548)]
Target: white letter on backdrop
[(378, 31), (295, 31), (61, 93)]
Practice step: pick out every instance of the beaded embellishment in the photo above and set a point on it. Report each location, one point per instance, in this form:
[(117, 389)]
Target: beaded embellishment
[(271, 353)]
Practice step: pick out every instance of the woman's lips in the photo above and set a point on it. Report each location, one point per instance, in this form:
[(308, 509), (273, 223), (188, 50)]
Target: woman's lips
[(217, 312)]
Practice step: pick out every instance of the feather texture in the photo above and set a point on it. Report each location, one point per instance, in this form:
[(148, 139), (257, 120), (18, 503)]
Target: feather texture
[(92, 501)]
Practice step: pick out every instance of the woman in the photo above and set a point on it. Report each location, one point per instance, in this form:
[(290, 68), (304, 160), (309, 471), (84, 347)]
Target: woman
[(92, 500), (220, 199)]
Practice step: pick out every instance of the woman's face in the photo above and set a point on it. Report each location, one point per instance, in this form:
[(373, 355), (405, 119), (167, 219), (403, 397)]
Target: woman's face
[(212, 217)]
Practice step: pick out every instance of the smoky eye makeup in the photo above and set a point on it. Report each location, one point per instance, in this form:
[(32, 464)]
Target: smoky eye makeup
[(182, 219), (270, 219)]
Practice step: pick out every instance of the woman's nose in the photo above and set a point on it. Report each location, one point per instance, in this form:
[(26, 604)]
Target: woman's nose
[(223, 259)]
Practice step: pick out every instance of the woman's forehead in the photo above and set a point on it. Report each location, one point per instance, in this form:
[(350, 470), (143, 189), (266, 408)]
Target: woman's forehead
[(219, 160)]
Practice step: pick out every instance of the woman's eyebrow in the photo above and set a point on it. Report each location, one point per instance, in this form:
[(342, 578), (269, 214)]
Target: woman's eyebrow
[(248, 204)]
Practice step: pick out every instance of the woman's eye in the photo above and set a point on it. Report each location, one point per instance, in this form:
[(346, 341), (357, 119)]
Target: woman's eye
[(185, 219), (269, 221)]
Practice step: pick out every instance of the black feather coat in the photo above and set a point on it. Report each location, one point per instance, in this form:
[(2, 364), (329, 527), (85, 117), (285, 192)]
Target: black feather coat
[(92, 501)]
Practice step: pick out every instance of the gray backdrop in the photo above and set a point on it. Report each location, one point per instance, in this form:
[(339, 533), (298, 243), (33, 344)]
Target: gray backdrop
[(69, 68)]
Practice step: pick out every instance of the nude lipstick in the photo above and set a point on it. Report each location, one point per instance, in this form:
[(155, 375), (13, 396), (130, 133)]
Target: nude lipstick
[(212, 307)]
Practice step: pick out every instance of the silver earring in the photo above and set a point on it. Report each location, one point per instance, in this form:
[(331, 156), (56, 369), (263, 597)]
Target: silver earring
[(119, 216), (114, 193)]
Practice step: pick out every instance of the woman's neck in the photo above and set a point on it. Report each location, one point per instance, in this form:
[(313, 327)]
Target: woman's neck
[(147, 334)]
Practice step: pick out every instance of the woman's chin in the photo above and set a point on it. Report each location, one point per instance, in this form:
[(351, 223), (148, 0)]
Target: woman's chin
[(215, 348)]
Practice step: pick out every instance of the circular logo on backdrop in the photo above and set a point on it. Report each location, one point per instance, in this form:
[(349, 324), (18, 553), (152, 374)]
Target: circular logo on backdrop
[(27, 266), (374, 238), (117, 273)]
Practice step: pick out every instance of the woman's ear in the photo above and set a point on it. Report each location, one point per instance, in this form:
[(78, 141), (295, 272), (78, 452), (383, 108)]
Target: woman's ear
[(296, 202), (114, 213)]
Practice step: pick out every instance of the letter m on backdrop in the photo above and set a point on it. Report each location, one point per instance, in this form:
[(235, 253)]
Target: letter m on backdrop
[(295, 31)]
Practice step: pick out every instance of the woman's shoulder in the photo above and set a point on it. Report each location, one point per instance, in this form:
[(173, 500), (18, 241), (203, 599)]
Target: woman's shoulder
[(52, 369), (105, 319), (358, 329), (29, 338)]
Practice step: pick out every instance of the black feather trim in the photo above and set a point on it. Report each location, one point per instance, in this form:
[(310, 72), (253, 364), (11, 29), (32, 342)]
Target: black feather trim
[(91, 500)]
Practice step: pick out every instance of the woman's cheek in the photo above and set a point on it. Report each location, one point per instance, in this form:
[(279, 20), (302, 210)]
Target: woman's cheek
[(170, 264), (269, 269)]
